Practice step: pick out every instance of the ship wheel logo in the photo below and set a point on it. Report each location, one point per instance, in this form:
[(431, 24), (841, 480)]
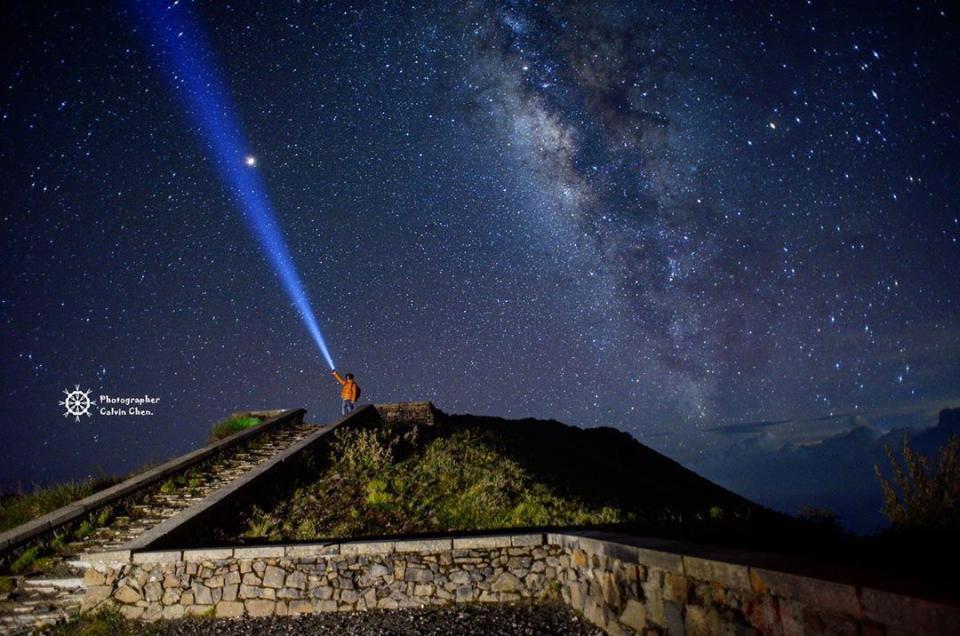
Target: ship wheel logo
[(77, 402)]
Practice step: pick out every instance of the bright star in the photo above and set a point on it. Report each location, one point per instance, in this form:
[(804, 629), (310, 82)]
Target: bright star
[(251, 161)]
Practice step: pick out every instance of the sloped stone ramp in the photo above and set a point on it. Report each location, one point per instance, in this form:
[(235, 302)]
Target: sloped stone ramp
[(142, 503)]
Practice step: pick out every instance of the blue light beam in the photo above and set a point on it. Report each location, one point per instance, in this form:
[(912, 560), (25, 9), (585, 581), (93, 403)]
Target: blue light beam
[(182, 51)]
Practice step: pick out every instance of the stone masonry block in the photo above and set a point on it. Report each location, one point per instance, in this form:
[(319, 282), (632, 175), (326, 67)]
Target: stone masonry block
[(667, 561), (157, 557), (425, 545), (367, 547), (471, 543), (905, 614), (311, 550), (113, 557), (208, 554), (263, 552), (229, 609), (260, 607), (728, 574), (828, 595), (520, 540)]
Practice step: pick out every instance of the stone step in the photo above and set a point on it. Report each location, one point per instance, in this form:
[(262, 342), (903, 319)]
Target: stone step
[(61, 583), (41, 602)]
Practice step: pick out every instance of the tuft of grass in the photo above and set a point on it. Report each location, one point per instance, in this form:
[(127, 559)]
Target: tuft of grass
[(20, 507), (104, 516), (168, 487), (83, 530), (25, 561), (106, 622), (7, 586), (261, 524), (59, 541), (45, 565), (233, 425)]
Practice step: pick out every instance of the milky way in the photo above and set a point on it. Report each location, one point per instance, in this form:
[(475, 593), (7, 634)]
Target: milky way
[(663, 217)]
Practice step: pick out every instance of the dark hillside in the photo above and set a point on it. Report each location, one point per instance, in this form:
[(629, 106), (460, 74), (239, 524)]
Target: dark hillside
[(605, 464), (480, 473)]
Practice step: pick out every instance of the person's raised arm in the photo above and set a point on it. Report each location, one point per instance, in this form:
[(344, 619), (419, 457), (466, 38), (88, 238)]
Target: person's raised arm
[(338, 378)]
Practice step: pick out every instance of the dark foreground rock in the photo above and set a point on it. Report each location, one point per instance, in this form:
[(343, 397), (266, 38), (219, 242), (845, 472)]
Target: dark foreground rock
[(463, 620)]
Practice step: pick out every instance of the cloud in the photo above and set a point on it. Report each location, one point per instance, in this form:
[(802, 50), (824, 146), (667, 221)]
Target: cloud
[(835, 472)]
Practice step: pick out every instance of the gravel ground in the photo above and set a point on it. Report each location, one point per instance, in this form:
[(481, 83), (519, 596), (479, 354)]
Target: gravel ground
[(464, 620)]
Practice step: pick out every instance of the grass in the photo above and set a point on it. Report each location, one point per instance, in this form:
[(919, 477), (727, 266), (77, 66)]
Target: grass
[(83, 530), (107, 622), (7, 586), (25, 561), (20, 507), (394, 480), (104, 516), (233, 425)]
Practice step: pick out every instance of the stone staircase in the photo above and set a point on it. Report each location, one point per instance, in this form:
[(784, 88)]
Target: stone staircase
[(43, 600)]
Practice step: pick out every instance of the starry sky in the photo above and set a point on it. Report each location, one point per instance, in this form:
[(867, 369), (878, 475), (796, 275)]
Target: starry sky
[(709, 224)]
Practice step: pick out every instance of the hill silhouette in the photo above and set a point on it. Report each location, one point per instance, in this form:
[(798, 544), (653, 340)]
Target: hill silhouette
[(480, 473)]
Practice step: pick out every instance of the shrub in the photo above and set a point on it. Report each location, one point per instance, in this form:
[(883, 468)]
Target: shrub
[(923, 496), (306, 530), (19, 508), (233, 425), (363, 449), (377, 494)]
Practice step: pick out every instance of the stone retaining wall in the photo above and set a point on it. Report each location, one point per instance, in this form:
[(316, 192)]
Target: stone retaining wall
[(625, 585), (318, 578), (407, 412), (630, 585)]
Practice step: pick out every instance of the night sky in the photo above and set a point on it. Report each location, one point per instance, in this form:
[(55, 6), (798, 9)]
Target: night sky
[(708, 224)]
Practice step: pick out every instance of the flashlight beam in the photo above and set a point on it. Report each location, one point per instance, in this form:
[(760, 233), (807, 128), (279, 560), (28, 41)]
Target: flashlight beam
[(183, 53)]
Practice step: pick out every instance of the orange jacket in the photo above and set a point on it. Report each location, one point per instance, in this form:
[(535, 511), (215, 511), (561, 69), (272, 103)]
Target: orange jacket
[(349, 390)]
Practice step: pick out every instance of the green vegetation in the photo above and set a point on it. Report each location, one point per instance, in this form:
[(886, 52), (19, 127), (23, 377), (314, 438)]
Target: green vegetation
[(7, 586), (59, 541), (391, 480), (233, 425), (924, 495), (21, 507), (107, 622), (26, 559), (104, 516), (83, 530), (110, 622)]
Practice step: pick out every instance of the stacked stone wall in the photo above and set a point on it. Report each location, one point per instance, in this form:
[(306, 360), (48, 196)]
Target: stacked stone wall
[(408, 413), (616, 583), (319, 578), (629, 589)]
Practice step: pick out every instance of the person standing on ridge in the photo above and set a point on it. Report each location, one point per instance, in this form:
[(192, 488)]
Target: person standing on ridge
[(350, 392)]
